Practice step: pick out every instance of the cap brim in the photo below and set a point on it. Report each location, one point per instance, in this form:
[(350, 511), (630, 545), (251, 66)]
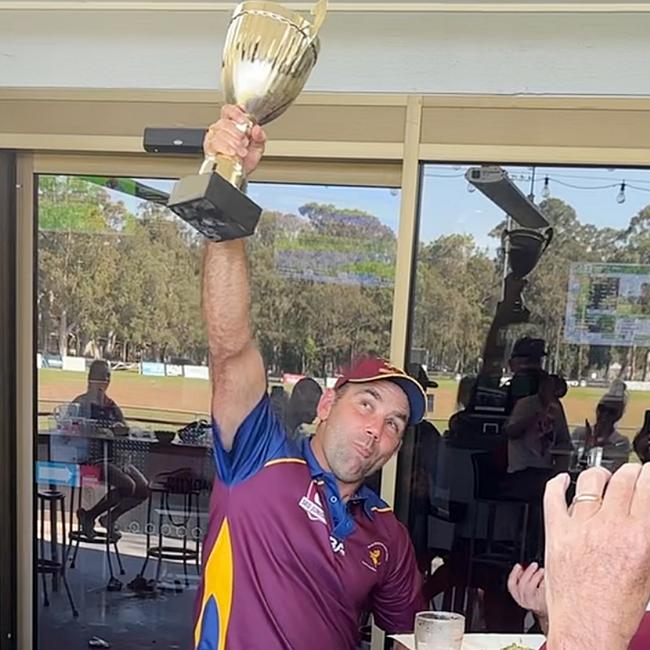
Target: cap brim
[(414, 393)]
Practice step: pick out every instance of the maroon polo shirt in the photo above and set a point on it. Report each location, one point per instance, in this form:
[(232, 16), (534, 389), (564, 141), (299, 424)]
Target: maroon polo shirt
[(287, 564)]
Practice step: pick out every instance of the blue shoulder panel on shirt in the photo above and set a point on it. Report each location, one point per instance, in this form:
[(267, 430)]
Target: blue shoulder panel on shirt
[(371, 500), (260, 439)]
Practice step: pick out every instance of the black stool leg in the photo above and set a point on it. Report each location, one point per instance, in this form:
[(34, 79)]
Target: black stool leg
[(64, 560), (54, 543), (78, 538), (147, 532), (187, 508), (470, 569), (74, 555), (41, 544), (108, 557), (160, 537), (119, 558), (75, 613), (198, 537)]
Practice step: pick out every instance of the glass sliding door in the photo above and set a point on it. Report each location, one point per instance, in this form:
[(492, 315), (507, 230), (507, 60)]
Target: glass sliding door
[(526, 378), (7, 400), (123, 441)]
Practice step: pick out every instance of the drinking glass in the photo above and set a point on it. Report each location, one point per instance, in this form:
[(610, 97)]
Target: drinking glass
[(439, 631)]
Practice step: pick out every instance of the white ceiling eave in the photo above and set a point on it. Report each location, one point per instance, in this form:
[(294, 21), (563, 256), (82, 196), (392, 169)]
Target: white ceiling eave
[(364, 6)]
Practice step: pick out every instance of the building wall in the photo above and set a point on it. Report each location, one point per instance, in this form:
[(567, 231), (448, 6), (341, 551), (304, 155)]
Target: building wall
[(578, 54)]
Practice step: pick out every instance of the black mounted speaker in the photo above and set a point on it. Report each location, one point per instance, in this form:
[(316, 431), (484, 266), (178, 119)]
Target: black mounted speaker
[(173, 141)]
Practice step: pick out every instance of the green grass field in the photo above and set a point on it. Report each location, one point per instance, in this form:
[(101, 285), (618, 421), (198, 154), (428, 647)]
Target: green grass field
[(179, 400)]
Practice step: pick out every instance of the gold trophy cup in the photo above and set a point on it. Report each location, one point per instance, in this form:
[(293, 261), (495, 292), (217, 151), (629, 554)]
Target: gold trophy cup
[(267, 58)]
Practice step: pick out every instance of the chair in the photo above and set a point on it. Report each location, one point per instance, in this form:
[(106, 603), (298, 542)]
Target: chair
[(450, 492), (55, 565), (496, 553), (182, 485), (104, 539)]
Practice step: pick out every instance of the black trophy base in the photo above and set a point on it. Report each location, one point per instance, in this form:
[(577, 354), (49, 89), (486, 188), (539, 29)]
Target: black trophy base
[(217, 209)]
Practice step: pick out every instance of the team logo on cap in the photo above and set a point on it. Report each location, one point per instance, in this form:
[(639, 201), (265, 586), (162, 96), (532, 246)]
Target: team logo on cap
[(377, 555), (312, 505), (389, 368)]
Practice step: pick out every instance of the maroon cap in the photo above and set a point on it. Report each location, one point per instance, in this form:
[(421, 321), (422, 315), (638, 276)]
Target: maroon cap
[(369, 369)]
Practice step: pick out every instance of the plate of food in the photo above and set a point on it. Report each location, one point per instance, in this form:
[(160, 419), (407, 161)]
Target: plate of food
[(503, 641)]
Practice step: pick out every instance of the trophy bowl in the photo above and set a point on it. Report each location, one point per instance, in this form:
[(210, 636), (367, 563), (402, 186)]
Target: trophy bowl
[(267, 58), (526, 248)]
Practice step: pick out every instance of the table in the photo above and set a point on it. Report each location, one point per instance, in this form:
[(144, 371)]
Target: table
[(481, 641), (67, 453)]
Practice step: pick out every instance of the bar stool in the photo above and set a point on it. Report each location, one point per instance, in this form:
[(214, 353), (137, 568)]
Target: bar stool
[(495, 553), (54, 565), (181, 485), (104, 539)]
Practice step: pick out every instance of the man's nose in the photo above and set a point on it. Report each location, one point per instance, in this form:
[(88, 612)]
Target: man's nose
[(373, 428)]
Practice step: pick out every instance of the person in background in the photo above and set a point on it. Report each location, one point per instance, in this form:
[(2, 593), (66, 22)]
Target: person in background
[(302, 408), (537, 425), (537, 433), (610, 409), (279, 402), (536, 428), (527, 588), (128, 486), (464, 393), (425, 439)]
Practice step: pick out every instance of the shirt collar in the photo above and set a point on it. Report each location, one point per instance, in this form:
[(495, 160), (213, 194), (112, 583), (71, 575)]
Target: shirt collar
[(364, 496)]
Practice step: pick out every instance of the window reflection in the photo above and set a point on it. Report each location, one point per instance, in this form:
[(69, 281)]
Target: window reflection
[(540, 368), (124, 464)]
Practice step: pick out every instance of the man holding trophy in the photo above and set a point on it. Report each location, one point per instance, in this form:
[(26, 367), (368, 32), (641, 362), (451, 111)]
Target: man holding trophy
[(297, 549)]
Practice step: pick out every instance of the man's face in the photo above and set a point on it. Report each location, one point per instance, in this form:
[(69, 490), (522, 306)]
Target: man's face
[(518, 364), (362, 427), (606, 417), (101, 381)]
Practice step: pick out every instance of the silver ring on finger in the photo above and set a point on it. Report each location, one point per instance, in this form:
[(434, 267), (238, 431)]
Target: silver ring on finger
[(594, 498), (585, 498)]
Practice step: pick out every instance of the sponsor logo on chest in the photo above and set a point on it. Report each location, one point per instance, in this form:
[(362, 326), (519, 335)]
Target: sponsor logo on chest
[(312, 505)]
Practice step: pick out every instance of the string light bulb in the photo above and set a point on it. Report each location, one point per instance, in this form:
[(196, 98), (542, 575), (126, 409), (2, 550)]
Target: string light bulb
[(620, 197), (546, 190), (470, 188)]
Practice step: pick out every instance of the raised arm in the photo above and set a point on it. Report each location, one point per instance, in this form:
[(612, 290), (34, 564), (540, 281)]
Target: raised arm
[(237, 369)]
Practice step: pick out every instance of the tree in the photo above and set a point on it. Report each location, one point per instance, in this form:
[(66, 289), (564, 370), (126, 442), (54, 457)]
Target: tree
[(457, 288), (75, 260)]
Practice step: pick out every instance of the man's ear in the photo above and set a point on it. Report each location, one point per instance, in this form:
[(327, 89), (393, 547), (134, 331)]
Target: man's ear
[(325, 404)]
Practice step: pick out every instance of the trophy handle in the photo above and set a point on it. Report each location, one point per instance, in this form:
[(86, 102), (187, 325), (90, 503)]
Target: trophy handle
[(549, 238), (319, 12)]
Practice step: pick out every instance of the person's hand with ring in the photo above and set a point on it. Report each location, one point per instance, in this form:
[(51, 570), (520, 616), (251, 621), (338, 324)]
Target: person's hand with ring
[(597, 558)]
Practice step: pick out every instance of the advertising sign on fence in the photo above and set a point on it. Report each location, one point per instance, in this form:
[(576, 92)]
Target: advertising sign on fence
[(196, 372), (173, 370), (152, 369), (76, 364)]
